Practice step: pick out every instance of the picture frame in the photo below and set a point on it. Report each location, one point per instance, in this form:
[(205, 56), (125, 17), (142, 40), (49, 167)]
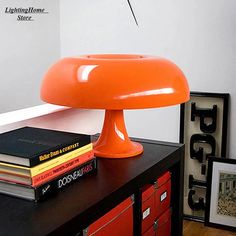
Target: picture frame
[(203, 130), (221, 194)]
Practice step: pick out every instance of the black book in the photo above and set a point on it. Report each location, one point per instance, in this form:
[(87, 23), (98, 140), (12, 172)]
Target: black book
[(30, 146), (50, 188)]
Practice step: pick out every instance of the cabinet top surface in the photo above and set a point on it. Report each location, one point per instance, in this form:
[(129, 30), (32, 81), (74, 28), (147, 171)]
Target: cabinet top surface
[(114, 181)]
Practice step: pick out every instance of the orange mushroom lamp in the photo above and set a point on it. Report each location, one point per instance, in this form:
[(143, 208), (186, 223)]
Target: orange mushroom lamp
[(115, 82)]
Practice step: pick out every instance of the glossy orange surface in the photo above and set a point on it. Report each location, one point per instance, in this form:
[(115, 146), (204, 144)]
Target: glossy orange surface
[(115, 82), (114, 141)]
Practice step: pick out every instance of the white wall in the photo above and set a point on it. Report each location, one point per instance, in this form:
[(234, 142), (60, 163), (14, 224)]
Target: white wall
[(27, 49), (53, 117), (199, 36)]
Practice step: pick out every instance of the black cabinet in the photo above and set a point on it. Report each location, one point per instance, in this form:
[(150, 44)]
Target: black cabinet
[(80, 204)]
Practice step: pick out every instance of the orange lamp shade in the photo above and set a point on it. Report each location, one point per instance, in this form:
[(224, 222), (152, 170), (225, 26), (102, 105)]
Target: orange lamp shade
[(115, 82)]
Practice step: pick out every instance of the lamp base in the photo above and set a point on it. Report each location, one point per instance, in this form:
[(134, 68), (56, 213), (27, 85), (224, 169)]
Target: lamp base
[(114, 141), (135, 149)]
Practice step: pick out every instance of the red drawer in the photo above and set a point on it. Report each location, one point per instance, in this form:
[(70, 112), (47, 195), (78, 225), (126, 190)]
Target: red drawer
[(117, 222), (148, 207), (162, 193), (162, 226), (155, 200)]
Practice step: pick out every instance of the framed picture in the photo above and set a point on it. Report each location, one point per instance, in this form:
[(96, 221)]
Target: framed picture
[(203, 130), (221, 194)]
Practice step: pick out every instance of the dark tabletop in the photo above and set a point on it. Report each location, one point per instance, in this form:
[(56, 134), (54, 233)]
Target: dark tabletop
[(80, 203)]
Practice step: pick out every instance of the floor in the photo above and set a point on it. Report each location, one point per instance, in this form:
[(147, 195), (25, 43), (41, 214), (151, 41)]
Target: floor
[(192, 228)]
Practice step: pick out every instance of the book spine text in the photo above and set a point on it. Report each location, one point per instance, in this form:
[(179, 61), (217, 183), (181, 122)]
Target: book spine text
[(58, 151), (62, 168), (55, 185)]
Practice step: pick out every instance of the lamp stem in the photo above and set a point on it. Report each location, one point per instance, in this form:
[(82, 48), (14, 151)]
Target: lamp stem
[(114, 141)]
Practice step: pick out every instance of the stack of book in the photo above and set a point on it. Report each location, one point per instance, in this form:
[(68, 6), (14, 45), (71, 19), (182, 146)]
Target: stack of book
[(35, 162)]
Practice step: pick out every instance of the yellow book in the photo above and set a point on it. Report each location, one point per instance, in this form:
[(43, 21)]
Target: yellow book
[(26, 171)]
